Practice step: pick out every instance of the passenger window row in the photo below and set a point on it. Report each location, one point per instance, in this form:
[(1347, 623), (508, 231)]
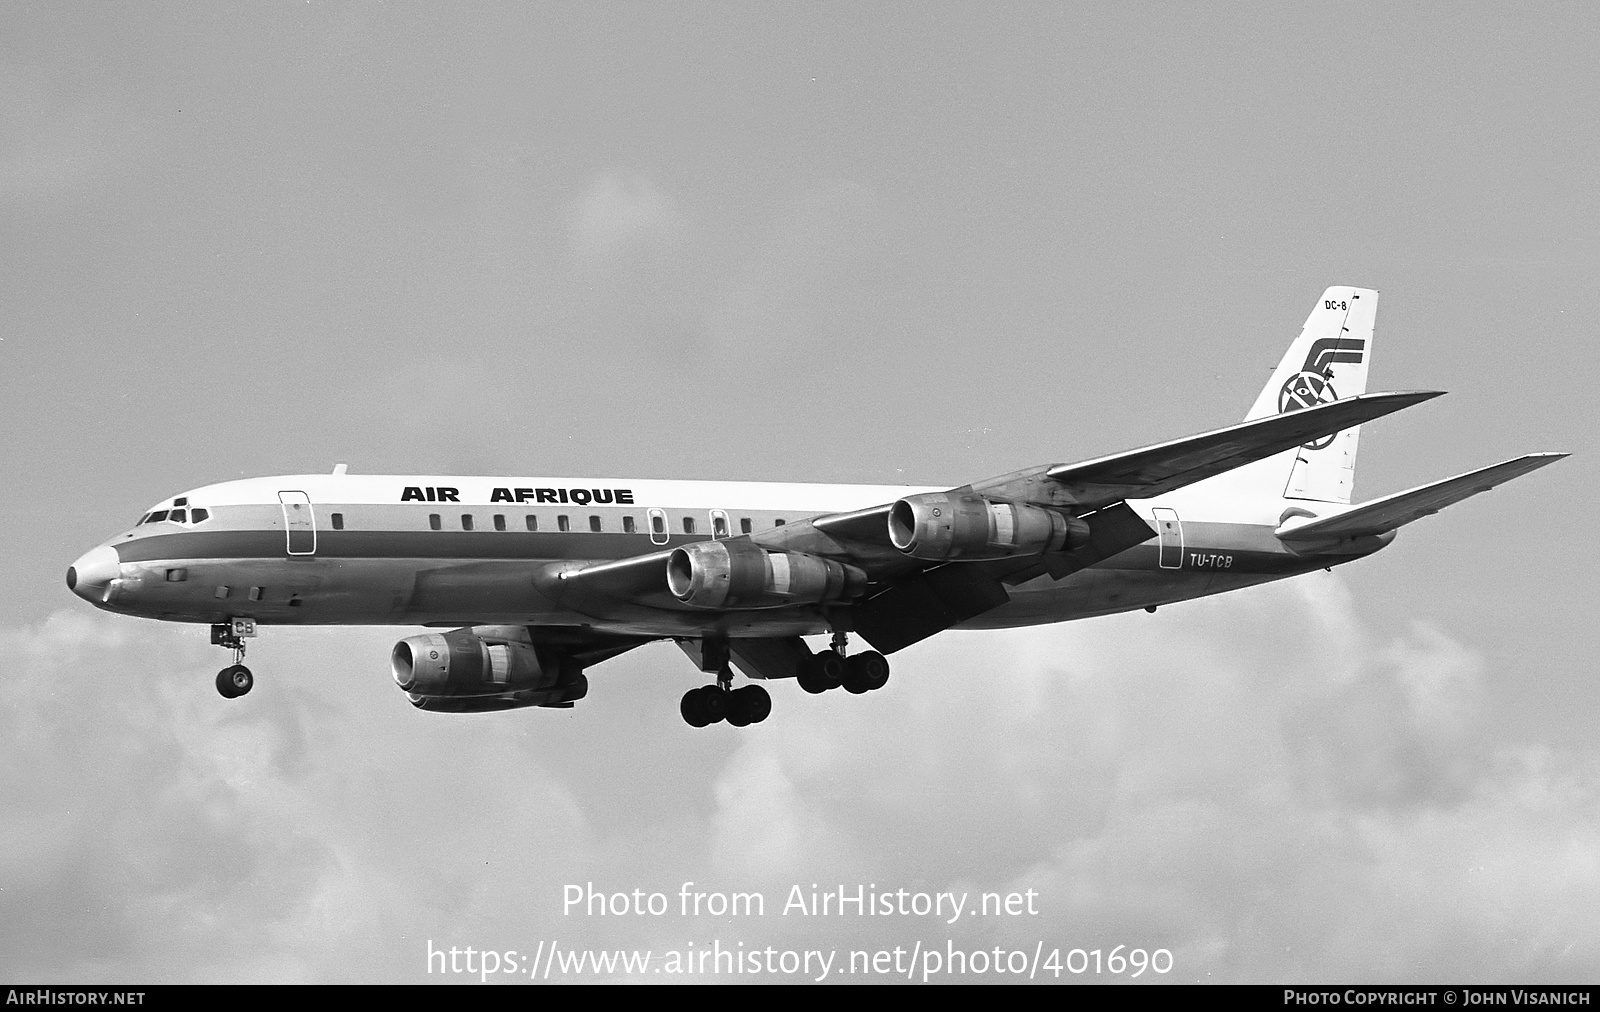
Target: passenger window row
[(719, 523)]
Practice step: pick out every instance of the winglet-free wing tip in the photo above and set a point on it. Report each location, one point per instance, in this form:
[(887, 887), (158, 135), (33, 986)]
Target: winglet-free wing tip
[(1530, 461), (1410, 396), (1399, 399)]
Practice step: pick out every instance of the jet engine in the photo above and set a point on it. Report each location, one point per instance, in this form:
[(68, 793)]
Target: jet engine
[(947, 526), (484, 668), (739, 574)]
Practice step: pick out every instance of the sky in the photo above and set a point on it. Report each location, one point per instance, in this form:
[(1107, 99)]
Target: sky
[(869, 243)]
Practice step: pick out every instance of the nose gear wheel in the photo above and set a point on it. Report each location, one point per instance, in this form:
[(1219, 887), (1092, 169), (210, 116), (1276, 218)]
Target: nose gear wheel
[(234, 680)]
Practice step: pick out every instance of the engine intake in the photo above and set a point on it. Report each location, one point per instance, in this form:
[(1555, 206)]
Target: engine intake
[(946, 526), (739, 574), (483, 668)]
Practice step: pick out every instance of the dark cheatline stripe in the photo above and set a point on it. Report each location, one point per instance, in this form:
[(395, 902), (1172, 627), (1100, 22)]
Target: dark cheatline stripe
[(490, 544)]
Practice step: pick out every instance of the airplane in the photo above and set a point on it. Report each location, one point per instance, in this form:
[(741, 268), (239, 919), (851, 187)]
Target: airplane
[(527, 582)]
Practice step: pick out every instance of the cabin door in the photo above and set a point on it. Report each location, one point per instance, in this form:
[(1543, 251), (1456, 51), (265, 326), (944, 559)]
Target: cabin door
[(1171, 531), (299, 525)]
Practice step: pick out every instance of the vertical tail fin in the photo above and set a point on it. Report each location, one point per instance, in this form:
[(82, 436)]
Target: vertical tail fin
[(1328, 361), (1333, 349)]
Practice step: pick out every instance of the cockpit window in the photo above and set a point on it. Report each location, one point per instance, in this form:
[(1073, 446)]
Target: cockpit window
[(190, 516)]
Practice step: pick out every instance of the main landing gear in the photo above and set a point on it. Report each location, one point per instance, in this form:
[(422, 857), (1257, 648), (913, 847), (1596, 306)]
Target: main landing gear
[(720, 701), (234, 680), (739, 707), (830, 669), (819, 672)]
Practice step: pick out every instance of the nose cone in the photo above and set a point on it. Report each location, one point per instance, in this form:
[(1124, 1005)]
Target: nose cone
[(91, 575)]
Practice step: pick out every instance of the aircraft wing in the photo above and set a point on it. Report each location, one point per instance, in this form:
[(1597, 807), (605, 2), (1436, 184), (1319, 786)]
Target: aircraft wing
[(1392, 511), (1153, 470), (1091, 490), (921, 599), (1150, 471)]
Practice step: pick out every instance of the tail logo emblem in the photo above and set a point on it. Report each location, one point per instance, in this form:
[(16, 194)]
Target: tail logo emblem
[(1313, 384)]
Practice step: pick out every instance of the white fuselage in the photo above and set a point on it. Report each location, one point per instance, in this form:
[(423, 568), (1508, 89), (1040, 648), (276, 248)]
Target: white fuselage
[(448, 550)]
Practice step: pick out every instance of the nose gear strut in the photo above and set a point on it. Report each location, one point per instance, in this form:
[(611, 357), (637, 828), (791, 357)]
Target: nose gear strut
[(234, 680)]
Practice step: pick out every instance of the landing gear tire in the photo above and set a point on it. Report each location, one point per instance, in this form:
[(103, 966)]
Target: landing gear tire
[(822, 671), (714, 702), (740, 707), (704, 705), (865, 672), (693, 714), (749, 705), (234, 681)]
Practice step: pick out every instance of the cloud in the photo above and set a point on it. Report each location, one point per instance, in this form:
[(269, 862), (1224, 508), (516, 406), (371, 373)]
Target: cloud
[(620, 215), (1251, 783), (152, 834), (1254, 783)]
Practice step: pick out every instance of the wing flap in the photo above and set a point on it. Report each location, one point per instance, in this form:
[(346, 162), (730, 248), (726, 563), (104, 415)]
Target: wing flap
[(919, 606), (1401, 508), (1112, 530), (1153, 470)]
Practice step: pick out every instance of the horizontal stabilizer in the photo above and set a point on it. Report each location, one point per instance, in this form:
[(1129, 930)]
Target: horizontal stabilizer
[(1392, 511), (1154, 470)]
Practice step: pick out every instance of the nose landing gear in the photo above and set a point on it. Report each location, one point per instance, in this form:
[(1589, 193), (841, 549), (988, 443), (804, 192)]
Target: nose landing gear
[(234, 680)]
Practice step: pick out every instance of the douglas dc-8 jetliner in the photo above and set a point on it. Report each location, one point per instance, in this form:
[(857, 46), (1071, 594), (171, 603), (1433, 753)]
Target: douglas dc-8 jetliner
[(537, 579)]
